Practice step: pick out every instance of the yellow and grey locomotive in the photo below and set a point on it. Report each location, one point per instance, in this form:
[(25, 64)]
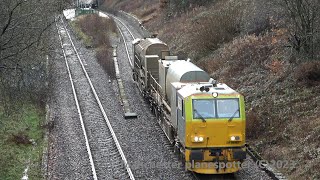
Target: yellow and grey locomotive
[(204, 120)]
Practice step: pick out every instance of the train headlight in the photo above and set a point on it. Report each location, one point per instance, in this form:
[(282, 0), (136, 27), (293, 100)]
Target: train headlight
[(197, 139), (214, 94), (235, 138), (201, 139)]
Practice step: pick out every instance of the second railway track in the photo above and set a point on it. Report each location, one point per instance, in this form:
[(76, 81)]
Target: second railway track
[(104, 152)]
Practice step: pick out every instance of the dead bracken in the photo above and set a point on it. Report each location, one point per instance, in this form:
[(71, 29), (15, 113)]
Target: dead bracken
[(21, 138)]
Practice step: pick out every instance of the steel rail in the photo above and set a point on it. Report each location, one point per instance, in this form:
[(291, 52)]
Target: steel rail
[(272, 172), (126, 46), (124, 26), (101, 107), (78, 108), (122, 35)]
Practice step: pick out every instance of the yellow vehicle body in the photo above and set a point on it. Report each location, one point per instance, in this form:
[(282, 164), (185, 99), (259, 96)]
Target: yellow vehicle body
[(222, 149)]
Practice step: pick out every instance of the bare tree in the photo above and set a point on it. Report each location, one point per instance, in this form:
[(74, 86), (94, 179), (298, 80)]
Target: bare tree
[(180, 6), (303, 17), (25, 33)]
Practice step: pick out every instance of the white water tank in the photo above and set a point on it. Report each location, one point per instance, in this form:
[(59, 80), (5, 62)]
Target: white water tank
[(185, 72)]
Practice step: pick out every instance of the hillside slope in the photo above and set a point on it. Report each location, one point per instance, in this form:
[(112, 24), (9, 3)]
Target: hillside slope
[(249, 46)]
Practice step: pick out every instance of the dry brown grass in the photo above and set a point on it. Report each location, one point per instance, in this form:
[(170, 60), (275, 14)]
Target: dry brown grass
[(100, 29), (175, 30), (211, 64), (148, 12), (164, 4), (308, 73), (137, 6), (212, 29), (20, 138), (104, 56), (249, 51), (276, 66), (254, 126)]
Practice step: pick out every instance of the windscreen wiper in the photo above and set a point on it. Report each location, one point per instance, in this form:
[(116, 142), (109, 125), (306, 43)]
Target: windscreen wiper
[(234, 114), (201, 117)]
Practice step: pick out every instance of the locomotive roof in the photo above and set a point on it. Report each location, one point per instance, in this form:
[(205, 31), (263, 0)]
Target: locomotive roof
[(86, 1), (193, 89), (145, 43), (179, 68), (184, 71)]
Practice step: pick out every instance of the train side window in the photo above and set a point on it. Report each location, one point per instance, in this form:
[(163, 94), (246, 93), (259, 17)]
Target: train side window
[(180, 105), (182, 113)]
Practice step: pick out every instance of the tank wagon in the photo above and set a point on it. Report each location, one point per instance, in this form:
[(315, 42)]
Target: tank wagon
[(203, 119)]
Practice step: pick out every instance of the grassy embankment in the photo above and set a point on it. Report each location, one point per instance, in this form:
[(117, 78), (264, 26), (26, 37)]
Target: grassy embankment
[(248, 45), (17, 132), (95, 32)]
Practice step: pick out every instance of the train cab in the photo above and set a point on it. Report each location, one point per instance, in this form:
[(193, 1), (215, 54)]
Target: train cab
[(211, 127)]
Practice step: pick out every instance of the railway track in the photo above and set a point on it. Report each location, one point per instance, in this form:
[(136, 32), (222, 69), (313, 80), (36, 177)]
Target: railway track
[(272, 172), (105, 154), (257, 160), (125, 32)]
